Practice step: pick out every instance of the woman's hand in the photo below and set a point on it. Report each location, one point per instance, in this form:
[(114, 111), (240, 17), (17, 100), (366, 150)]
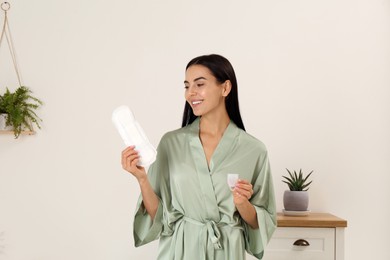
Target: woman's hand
[(242, 192), (130, 158)]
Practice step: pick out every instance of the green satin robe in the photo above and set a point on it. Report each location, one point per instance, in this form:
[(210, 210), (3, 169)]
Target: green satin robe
[(196, 216)]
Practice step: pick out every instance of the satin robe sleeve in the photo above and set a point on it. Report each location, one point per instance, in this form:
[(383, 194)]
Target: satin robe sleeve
[(145, 229), (263, 199)]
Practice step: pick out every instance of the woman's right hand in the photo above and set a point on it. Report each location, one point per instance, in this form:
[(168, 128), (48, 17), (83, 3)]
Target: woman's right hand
[(130, 158)]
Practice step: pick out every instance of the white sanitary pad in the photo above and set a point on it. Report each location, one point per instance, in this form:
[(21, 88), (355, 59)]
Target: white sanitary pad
[(133, 134)]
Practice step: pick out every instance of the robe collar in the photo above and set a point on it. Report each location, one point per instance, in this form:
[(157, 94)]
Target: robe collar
[(225, 146)]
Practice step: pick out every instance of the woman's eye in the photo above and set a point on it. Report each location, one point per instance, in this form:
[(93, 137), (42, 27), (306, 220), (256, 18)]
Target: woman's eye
[(200, 84), (186, 87)]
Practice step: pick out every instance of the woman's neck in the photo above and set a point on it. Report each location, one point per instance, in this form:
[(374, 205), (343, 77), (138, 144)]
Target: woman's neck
[(214, 125)]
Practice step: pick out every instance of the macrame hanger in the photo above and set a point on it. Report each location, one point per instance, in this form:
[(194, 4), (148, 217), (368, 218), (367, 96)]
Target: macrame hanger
[(5, 6)]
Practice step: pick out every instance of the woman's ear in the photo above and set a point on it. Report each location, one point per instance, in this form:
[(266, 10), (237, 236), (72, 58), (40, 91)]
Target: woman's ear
[(227, 87)]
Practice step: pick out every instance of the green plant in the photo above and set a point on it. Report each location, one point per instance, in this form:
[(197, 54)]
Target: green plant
[(297, 182), (20, 110)]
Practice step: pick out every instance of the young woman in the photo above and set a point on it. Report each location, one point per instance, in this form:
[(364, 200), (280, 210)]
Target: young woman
[(185, 199)]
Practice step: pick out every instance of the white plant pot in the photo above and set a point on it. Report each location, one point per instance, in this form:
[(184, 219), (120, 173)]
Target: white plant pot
[(3, 119), (296, 200)]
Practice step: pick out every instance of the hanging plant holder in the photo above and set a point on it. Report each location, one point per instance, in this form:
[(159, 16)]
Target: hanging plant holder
[(17, 109), (6, 33)]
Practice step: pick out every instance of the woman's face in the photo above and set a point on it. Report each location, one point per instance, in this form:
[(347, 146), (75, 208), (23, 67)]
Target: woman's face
[(203, 92)]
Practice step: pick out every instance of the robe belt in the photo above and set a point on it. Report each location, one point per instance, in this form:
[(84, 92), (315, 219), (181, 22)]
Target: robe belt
[(212, 230)]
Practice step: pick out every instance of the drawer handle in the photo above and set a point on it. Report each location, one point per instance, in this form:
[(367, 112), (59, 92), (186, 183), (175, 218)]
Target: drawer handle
[(301, 242)]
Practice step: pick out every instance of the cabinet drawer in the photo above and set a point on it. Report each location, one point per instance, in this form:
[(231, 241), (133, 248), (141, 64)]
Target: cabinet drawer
[(321, 244)]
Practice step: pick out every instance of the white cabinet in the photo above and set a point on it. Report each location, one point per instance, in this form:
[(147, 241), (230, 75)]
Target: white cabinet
[(319, 236)]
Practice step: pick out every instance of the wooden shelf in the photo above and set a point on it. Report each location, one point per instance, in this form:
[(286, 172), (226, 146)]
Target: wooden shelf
[(10, 132), (312, 220)]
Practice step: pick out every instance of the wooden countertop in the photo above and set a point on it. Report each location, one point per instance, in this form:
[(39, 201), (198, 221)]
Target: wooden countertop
[(321, 220)]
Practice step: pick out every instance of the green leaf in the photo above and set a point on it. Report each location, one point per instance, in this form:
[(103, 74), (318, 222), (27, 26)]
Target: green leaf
[(297, 181), (307, 176), (306, 185)]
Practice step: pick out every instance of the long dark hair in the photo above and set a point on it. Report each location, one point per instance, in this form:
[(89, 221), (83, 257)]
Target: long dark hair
[(222, 70)]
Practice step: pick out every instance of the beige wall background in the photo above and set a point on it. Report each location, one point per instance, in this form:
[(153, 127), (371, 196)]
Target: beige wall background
[(314, 86)]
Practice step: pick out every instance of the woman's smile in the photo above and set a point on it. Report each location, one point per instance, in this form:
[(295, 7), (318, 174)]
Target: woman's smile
[(196, 103)]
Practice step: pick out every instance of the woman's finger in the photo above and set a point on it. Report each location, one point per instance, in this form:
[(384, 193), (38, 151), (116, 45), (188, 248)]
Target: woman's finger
[(128, 151), (130, 158), (245, 193), (243, 181), (243, 184), (131, 161)]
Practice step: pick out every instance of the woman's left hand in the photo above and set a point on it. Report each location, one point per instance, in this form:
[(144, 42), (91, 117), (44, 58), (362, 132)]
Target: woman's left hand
[(242, 192)]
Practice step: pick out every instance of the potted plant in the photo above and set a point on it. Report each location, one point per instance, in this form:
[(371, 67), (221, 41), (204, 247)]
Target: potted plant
[(296, 198), (19, 107)]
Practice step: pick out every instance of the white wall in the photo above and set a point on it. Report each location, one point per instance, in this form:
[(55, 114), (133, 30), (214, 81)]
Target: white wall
[(314, 85)]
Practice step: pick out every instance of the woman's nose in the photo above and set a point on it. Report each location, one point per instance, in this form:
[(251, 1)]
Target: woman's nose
[(191, 91)]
